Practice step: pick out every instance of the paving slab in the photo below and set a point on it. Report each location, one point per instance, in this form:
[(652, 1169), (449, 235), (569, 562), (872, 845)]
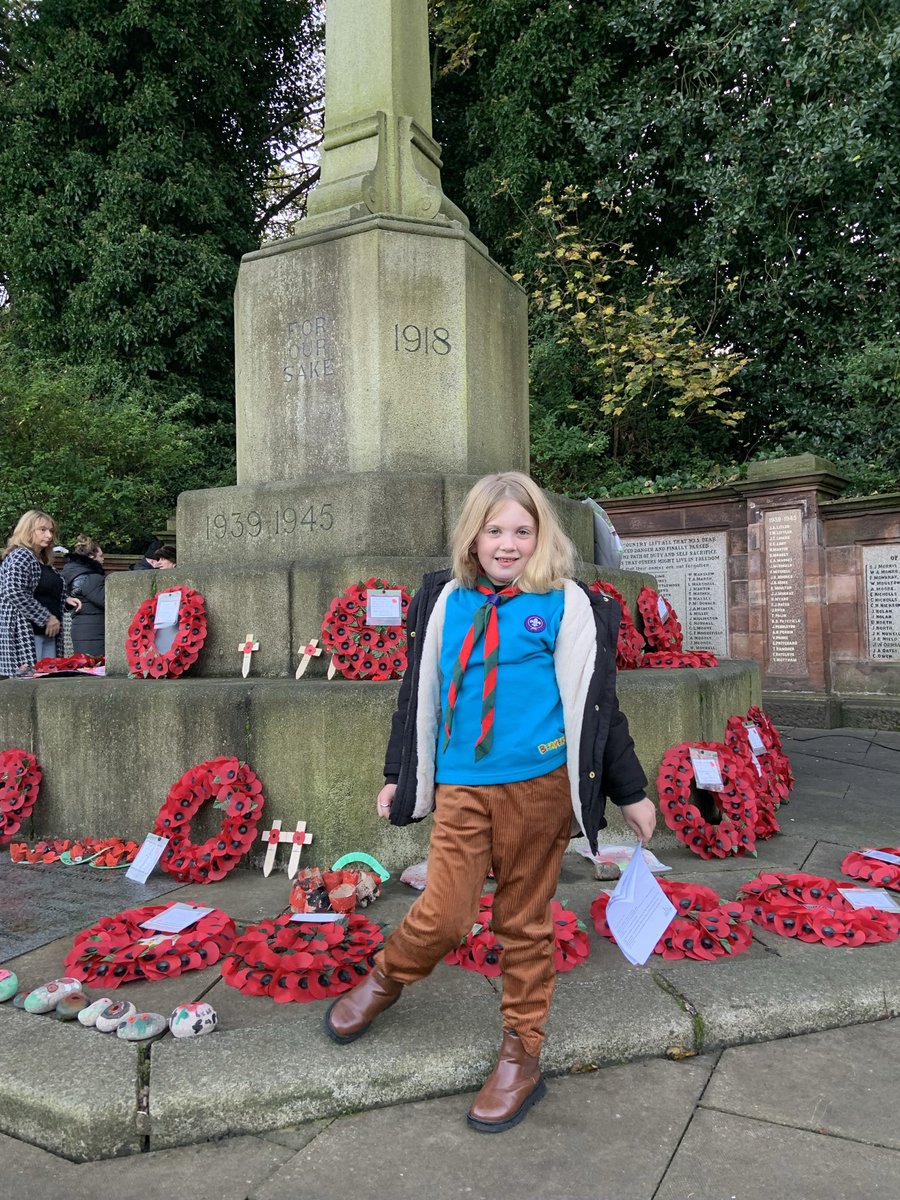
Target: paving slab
[(723, 1157), (836, 1082), (426, 1149)]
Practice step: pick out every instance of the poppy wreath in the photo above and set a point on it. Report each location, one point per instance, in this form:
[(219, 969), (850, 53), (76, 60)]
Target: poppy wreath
[(96, 852), (859, 866), (704, 926), (771, 738), (362, 651), (235, 789), (20, 780), (679, 658), (728, 823), (73, 662), (480, 950), (117, 950), (660, 633), (144, 660), (811, 909), (772, 789), (298, 960), (630, 643)]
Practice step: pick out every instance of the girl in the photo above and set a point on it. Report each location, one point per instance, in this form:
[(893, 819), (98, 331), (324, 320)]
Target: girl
[(86, 579), (32, 596), (508, 726)]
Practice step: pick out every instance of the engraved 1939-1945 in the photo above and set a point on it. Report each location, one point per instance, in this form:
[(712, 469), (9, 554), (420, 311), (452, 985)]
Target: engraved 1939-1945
[(278, 522)]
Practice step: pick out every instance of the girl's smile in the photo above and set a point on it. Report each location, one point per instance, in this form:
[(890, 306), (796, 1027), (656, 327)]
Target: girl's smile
[(506, 543)]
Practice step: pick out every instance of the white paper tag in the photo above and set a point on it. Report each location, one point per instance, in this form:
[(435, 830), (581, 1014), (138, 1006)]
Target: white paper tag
[(318, 918), (175, 918), (147, 857), (383, 606), (167, 606), (707, 772), (756, 764), (662, 608), (870, 898), (882, 856), (757, 745)]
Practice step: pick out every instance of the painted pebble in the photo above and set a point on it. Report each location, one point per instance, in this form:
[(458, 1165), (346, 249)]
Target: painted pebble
[(70, 1006), (191, 1020), (9, 985), (139, 1026), (88, 1016), (19, 999), (108, 1020), (45, 999)]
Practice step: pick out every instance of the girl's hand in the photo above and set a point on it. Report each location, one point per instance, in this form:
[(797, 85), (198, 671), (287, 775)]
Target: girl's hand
[(74, 603), (384, 799), (641, 818), (51, 629)]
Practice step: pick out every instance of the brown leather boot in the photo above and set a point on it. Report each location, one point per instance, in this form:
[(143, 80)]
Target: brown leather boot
[(511, 1088), (352, 1014)]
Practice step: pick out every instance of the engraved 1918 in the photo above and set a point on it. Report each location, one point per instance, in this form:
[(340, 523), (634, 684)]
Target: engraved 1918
[(420, 339), (282, 521)]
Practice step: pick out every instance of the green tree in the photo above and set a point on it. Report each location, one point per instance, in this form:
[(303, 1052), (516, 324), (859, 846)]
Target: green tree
[(746, 148)]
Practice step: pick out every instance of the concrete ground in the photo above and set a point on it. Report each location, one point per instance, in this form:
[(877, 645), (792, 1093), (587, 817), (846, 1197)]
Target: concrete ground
[(769, 1074)]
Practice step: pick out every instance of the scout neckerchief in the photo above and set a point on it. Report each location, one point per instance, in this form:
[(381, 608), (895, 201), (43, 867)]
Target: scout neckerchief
[(484, 622)]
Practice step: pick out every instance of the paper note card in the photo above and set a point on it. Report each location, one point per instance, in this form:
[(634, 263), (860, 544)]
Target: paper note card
[(383, 606), (870, 898), (707, 773), (882, 856), (639, 912), (176, 918), (662, 608), (147, 857), (167, 606), (621, 856), (319, 918), (757, 745)]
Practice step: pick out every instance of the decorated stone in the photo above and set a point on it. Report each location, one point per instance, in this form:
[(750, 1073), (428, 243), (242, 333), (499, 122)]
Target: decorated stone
[(19, 999), (191, 1020), (44, 999), (88, 1016), (70, 1006), (138, 1026), (108, 1019), (9, 985)]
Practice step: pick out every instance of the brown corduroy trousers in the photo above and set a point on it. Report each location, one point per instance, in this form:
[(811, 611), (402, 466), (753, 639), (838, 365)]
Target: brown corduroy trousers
[(521, 829)]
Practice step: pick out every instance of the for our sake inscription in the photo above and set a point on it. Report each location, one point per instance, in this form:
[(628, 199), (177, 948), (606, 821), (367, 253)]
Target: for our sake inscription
[(309, 350), (690, 571), (882, 574), (786, 612)]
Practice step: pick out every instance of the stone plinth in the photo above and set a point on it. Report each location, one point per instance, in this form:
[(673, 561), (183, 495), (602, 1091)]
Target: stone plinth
[(382, 344)]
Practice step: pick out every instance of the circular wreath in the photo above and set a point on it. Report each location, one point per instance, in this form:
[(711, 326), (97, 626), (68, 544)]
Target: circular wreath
[(117, 950), (679, 658), (480, 950), (704, 926), (726, 823), (20, 780), (235, 789), (298, 960), (144, 659), (629, 643), (661, 633), (65, 666), (772, 741), (882, 874), (362, 651), (772, 789), (811, 909)]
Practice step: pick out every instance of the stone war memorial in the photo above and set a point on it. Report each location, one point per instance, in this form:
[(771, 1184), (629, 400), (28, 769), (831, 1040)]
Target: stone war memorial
[(381, 368)]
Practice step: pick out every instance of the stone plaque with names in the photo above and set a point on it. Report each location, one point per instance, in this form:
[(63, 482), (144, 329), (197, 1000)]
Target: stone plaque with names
[(785, 608), (881, 567), (690, 571)]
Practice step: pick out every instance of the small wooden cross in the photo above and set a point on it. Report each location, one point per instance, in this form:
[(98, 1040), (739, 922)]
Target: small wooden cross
[(309, 651), (297, 838), (246, 648)]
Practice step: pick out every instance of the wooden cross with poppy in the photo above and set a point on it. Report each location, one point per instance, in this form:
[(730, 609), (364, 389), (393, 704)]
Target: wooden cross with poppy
[(308, 652), (246, 647), (296, 838)]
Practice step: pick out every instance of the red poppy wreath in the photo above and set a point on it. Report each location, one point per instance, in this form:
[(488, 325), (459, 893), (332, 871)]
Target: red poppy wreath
[(771, 787), (362, 651), (65, 666), (480, 951), (298, 960), (704, 926), (858, 865), (117, 950), (712, 824), (233, 787), (771, 739), (811, 909), (144, 659), (679, 658), (20, 780), (630, 643), (662, 629)]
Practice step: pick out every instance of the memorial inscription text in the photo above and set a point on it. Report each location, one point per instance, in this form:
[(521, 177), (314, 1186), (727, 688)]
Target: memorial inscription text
[(785, 609), (881, 565)]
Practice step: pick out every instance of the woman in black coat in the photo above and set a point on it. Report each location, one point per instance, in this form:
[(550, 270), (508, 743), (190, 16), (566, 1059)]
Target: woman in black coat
[(85, 578)]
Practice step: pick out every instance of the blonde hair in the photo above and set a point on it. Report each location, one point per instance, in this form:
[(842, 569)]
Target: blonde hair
[(554, 555), (85, 545), (23, 534)]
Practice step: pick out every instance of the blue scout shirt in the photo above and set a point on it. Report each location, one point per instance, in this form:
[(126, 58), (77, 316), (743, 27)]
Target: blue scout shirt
[(529, 732)]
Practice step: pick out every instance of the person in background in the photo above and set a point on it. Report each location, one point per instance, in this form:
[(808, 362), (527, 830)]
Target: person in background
[(32, 595), (86, 579), (146, 563), (164, 558)]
